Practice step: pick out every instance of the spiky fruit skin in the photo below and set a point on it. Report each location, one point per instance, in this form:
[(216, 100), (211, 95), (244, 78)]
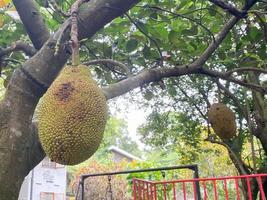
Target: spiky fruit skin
[(72, 116), (222, 120)]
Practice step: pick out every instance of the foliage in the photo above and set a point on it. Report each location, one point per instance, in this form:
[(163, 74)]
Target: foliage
[(2, 89), (184, 137), (116, 134), (163, 130), (4, 3)]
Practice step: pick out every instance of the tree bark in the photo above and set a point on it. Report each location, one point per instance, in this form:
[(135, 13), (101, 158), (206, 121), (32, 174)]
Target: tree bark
[(17, 136), (32, 21), (20, 151), (259, 111)]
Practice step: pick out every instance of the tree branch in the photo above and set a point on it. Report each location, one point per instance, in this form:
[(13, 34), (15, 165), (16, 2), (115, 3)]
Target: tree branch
[(32, 21), (233, 97), (18, 46), (185, 17), (157, 74), (241, 165), (218, 39), (147, 76), (193, 102), (224, 76), (112, 62), (154, 75), (246, 69), (229, 8), (145, 34), (263, 23), (214, 45)]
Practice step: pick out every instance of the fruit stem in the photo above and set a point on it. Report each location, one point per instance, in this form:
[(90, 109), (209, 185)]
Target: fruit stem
[(74, 32)]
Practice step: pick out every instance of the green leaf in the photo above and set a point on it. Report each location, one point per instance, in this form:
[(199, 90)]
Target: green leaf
[(140, 38), (150, 53), (154, 15), (181, 5), (254, 33), (194, 30), (212, 10), (238, 46), (142, 26), (148, 95), (131, 45), (221, 55), (172, 91), (173, 37), (164, 18), (107, 51)]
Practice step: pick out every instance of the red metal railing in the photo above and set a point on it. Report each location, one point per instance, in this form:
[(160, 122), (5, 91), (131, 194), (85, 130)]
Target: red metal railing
[(222, 188)]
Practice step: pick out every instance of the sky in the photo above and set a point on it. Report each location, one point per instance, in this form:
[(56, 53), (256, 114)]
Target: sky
[(123, 108)]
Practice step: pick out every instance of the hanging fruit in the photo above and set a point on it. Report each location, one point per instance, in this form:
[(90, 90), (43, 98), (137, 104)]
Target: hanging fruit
[(222, 120)]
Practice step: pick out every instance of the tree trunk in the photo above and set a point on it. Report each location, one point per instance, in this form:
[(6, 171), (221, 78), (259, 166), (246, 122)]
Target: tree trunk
[(256, 190), (263, 139), (18, 137)]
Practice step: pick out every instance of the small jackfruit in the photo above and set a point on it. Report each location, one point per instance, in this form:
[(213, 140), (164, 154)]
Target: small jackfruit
[(222, 120), (72, 116)]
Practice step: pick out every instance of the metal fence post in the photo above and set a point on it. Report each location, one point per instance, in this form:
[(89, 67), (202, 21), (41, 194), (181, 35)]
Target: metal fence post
[(191, 167), (196, 176), (82, 184)]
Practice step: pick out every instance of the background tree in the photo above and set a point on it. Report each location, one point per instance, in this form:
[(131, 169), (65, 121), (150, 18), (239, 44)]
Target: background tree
[(116, 134), (157, 43)]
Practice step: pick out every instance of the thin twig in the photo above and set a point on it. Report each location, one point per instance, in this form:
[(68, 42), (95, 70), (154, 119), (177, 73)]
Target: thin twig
[(58, 9), (18, 46), (110, 61), (238, 161), (12, 60), (192, 11), (185, 17), (150, 38), (194, 104), (232, 96), (223, 75), (60, 36), (244, 69), (262, 22), (143, 32), (96, 57)]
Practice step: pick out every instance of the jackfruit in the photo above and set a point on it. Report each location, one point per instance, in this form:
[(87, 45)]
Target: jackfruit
[(72, 116), (222, 120)]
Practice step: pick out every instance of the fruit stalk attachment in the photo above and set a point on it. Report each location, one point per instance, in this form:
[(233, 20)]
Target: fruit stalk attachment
[(74, 32)]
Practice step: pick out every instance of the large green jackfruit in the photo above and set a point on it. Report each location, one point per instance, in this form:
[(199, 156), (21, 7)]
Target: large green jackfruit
[(222, 120), (72, 116)]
